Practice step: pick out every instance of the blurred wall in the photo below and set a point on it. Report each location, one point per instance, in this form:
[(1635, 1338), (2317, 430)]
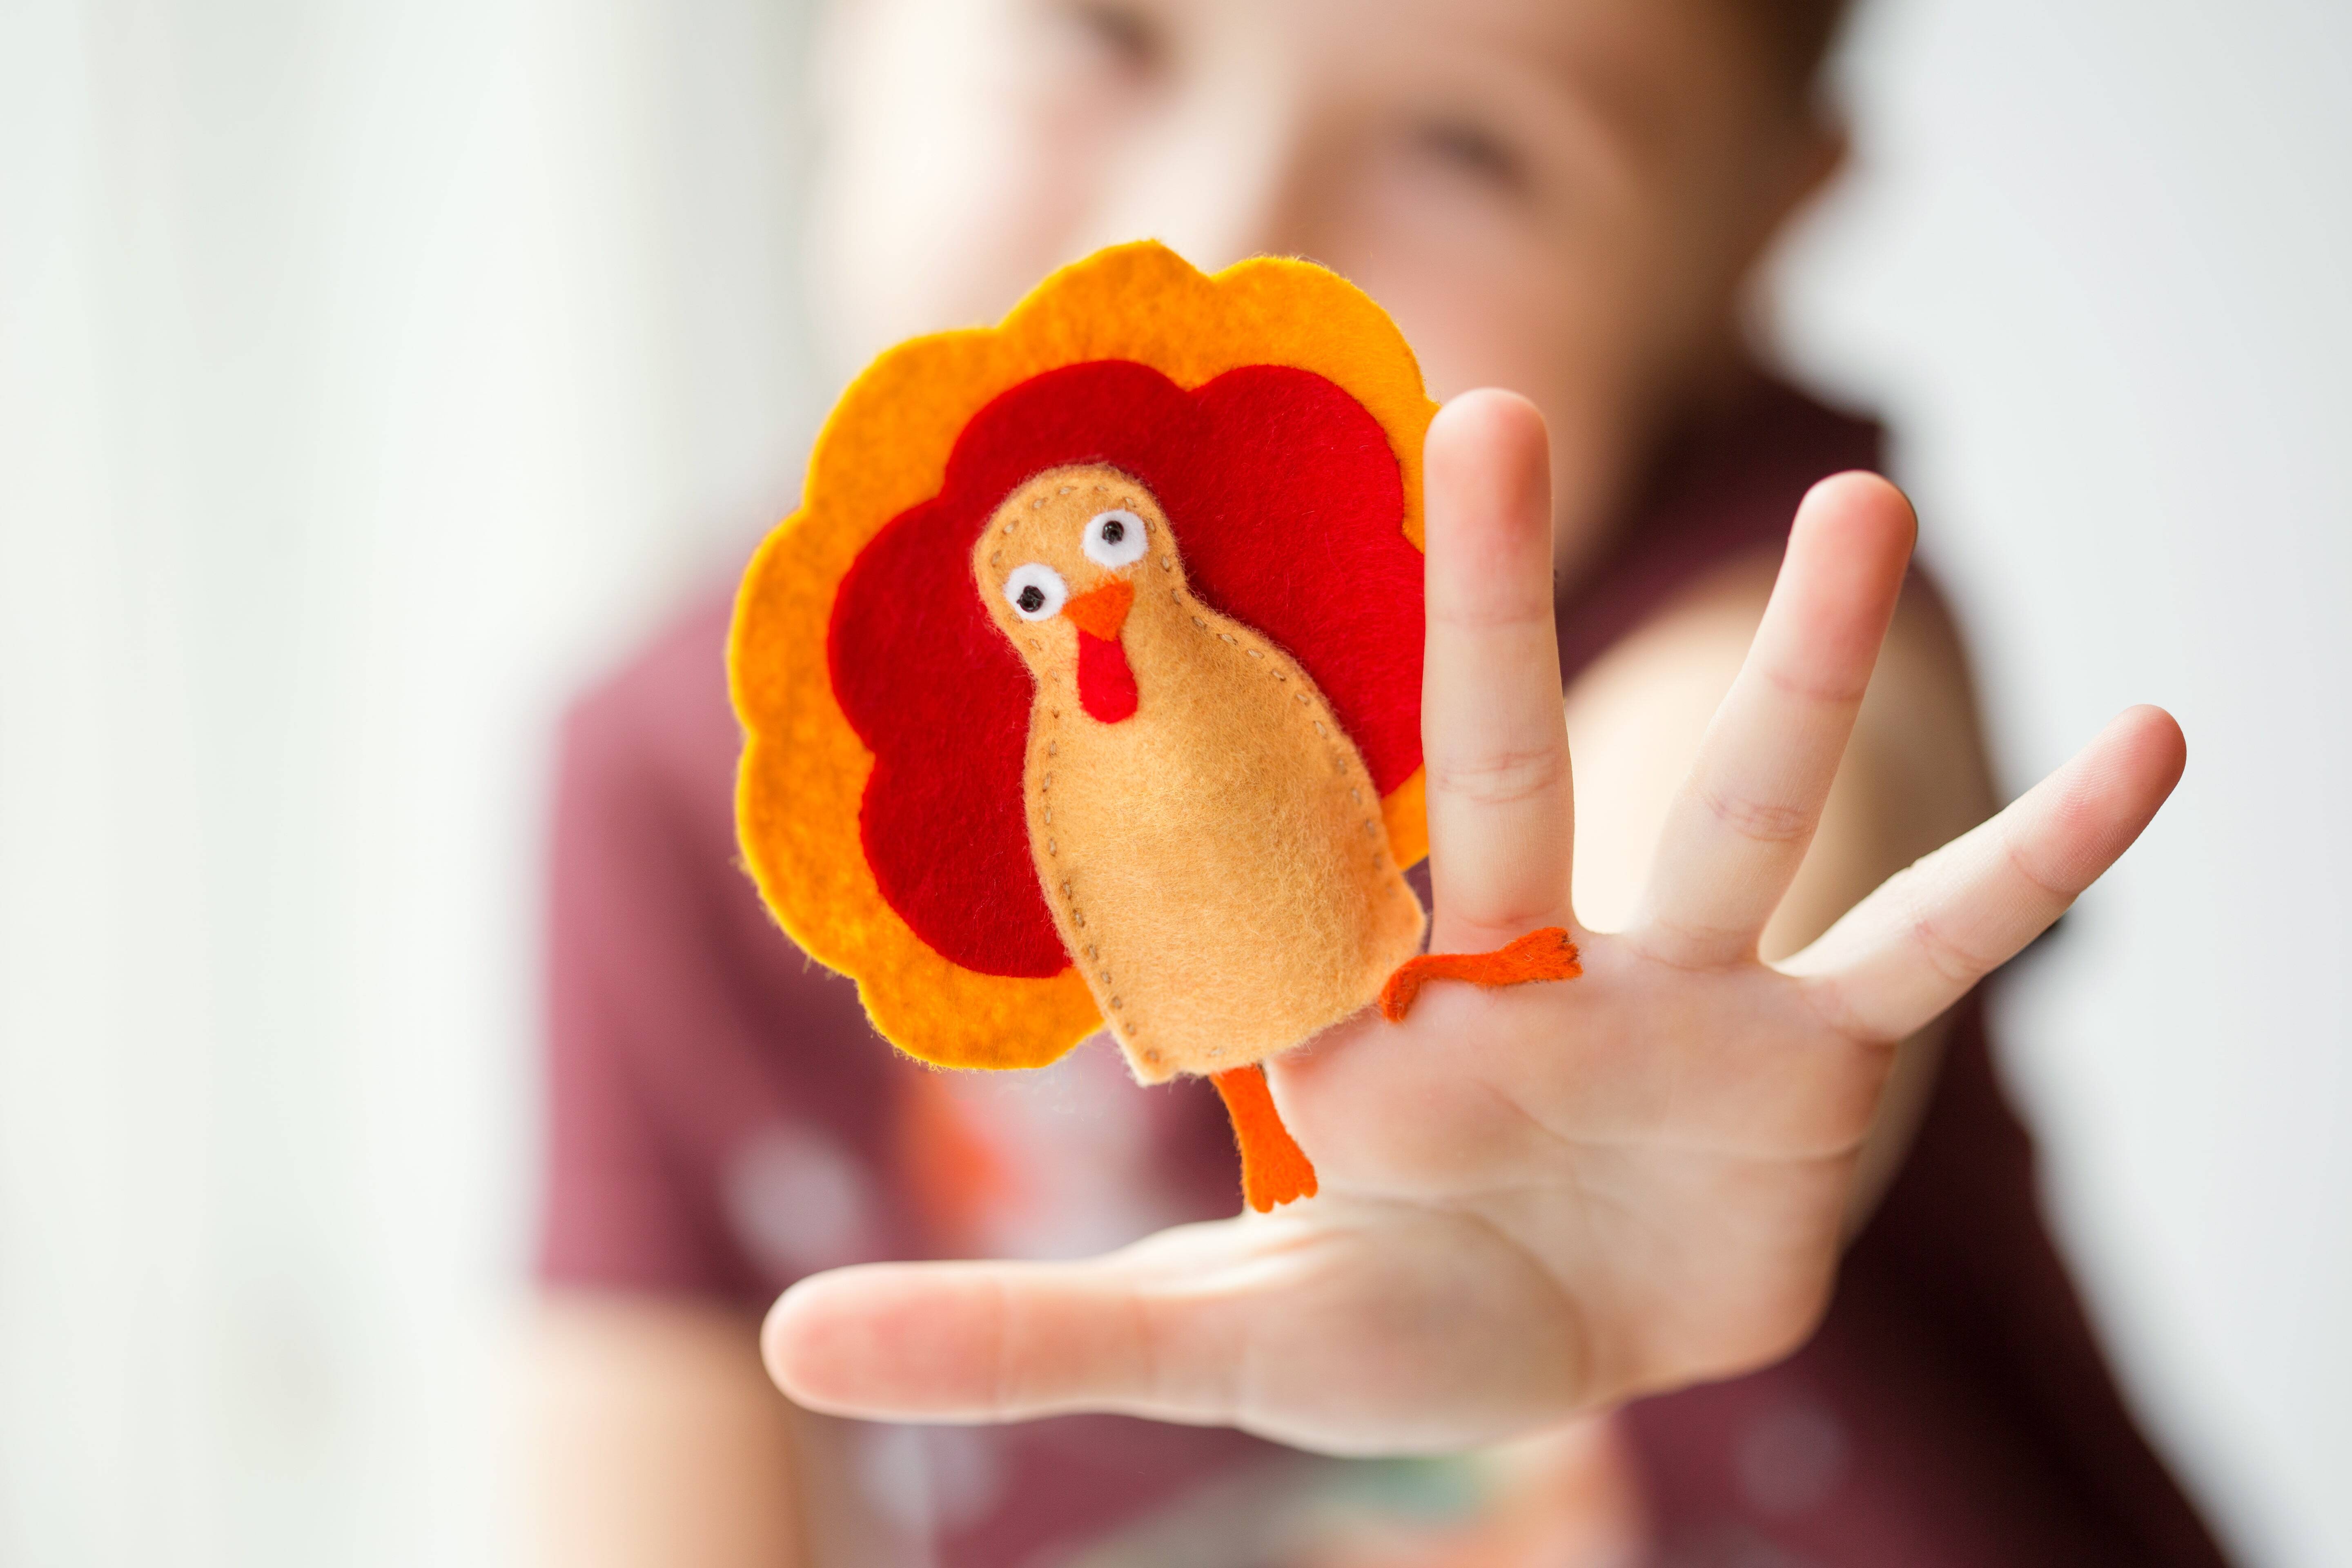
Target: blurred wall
[(2094, 266), (370, 373)]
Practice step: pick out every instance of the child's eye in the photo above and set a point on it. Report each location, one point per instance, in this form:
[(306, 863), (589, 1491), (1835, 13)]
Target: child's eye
[(1474, 151), (1128, 37)]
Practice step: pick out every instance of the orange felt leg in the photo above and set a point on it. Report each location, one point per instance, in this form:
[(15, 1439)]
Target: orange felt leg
[(1545, 954), (1275, 1169)]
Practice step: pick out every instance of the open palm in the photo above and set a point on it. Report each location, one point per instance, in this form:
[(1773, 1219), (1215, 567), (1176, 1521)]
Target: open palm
[(1540, 1200)]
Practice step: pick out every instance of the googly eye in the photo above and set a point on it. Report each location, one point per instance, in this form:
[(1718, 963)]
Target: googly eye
[(1114, 538), (1035, 591)]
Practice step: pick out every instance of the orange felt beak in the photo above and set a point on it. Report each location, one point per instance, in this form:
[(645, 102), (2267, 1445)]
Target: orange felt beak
[(1100, 611)]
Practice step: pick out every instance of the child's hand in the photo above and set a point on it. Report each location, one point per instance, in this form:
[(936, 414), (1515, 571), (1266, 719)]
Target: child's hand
[(1538, 1200)]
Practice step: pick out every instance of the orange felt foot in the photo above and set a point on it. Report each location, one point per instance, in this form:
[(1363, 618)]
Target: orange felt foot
[(1545, 954), (1275, 1169)]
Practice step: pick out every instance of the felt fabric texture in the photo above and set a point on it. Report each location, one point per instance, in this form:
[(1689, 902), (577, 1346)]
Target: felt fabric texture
[(1214, 856), (1545, 954), (1106, 681), (1275, 1169), (1279, 486), (989, 988), (1100, 611)]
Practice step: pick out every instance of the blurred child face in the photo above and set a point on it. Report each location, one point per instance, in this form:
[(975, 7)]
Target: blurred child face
[(1558, 197)]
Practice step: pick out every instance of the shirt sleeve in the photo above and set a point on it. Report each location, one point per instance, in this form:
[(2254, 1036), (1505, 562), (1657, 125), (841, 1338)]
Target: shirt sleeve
[(622, 1207)]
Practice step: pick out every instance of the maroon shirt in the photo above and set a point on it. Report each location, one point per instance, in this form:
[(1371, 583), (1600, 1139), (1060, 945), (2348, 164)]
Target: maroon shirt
[(723, 1121)]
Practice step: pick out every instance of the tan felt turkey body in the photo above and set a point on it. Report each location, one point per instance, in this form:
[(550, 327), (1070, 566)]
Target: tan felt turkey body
[(1214, 859)]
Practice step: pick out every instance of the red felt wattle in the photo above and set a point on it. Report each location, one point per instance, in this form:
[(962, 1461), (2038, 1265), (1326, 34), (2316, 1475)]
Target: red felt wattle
[(1105, 682), (1288, 506)]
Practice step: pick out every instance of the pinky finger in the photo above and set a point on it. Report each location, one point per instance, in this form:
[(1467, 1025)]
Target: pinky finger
[(1929, 934)]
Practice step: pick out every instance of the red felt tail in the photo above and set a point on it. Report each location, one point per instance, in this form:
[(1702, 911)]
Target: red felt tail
[(1275, 1169), (1545, 954)]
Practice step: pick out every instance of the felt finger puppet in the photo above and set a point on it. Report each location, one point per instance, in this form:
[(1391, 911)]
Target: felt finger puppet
[(1084, 689)]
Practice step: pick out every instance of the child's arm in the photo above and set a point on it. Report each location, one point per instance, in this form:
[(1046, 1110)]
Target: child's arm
[(1545, 1199), (652, 1441)]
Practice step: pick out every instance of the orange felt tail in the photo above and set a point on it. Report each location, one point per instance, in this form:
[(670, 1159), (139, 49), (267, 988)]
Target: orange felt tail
[(1275, 1169), (1545, 954)]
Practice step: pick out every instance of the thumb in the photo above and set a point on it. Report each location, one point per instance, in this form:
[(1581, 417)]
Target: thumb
[(1377, 1330), (1006, 1341)]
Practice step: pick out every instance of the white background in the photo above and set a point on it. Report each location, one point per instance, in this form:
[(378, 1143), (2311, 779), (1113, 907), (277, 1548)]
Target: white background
[(369, 374)]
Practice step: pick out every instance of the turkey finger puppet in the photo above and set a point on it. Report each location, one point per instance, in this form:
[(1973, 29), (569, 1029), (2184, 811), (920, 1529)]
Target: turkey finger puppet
[(1085, 687)]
